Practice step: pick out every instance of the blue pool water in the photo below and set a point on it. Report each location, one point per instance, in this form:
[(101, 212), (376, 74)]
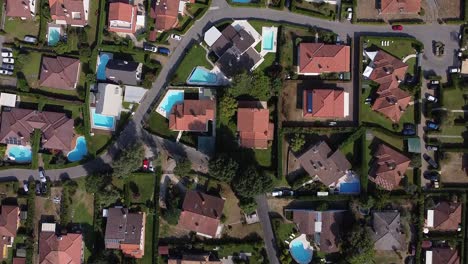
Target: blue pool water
[(101, 68), (351, 187), (102, 120), (54, 36), (202, 75), (20, 153), (80, 150), (171, 98), (268, 41), (299, 253), (241, 1)]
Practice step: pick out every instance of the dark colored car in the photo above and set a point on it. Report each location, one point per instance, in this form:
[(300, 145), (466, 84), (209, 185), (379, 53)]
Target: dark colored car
[(430, 161), (397, 27), (43, 188), (431, 175), (409, 129), (164, 51), (432, 125), (38, 188)]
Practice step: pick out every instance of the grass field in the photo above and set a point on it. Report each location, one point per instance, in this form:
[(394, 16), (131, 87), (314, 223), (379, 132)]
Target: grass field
[(392, 141), (145, 184), (31, 68), (196, 56), (97, 142), (453, 99), (92, 21), (17, 28), (263, 157)]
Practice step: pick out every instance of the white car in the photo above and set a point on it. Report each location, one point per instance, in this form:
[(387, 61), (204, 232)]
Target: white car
[(176, 37), (7, 55), (276, 193), (454, 70), (8, 60), (42, 177), (6, 72), (431, 98), (149, 47), (30, 39), (151, 167), (350, 13)]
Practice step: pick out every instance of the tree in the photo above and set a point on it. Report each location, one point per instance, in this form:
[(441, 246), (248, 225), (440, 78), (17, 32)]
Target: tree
[(107, 196), (148, 81), (358, 247), (91, 78), (251, 182), (96, 182), (297, 142), (128, 161), (227, 107), (85, 51), (256, 85), (183, 167), (223, 168)]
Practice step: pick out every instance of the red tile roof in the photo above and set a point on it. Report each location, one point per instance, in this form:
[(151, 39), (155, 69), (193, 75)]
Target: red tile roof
[(60, 249), (447, 216), (122, 12), (253, 124), (326, 103), (192, 115), (388, 167), (445, 256), (201, 213), (165, 13), (400, 6), (18, 8), (59, 72), (57, 128), (316, 58), (63, 10), (19, 261), (9, 220), (388, 71)]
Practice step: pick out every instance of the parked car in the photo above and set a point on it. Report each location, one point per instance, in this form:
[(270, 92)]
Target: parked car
[(7, 54), (164, 51), (431, 98), (430, 161), (6, 72), (176, 37), (434, 82), (8, 60), (42, 177), (368, 100), (276, 193), (38, 188), (454, 70), (431, 175), (431, 125), (435, 184), (432, 148), (350, 13), (25, 187), (30, 39), (8, 66), (149, 47), (145, 164), (43, 188), (397, 27), (288, 192), (151, 167), (409, 129)]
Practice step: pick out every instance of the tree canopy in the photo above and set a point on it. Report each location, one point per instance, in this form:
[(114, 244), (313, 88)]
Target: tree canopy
[(223, 168), (227, 107), (358, 247), (297, 142), (128, 161), (256, 85), (183, 167), (251, 182)]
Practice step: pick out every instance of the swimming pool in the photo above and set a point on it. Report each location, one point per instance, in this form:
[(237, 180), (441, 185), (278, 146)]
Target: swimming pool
[(350, 187), (241, 1), (20, 153), (53, 36), (300, 253), (171, 98), (102, 63), (268, 39), (79, 151), (201, 75), (102, 121)]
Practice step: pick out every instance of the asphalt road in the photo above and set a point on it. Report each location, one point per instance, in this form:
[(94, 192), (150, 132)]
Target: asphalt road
[(268, 236)]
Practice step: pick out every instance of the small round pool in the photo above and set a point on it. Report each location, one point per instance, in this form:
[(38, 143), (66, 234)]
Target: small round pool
[(301, 250), (20, 154), (80, 150)]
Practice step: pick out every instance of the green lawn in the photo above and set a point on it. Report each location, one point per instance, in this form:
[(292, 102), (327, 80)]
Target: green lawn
[(145, 186), (263, 157), (391, 141), (196, 56), (453, 99), (92, 21), (148, 257), (17, 28), (31, 68), (282, 230), (323, 9), (269, 60), (97, 143)]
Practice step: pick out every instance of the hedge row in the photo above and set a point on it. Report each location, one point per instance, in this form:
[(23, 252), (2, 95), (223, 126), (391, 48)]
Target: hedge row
[(312, 13)]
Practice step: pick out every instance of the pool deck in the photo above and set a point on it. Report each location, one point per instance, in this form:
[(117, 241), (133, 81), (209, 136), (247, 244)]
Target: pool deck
[(263, 52)]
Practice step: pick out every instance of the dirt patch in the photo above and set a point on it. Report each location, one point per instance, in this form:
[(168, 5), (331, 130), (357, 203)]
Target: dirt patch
[(277, 205), (367, 10), (454, 168), (449, 8)]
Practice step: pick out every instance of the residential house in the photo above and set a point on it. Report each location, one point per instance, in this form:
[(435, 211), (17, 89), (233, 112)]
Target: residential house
[(166, 12), (318, 58), (325, 227), (441, 255), (446, 216), (19, 261), (125, 231), (122, 17), (388, 72), (9, 223), (386, 231), (193, 259), (59, 248), (59, 72), (395, 7), (253, 124), (323, 164), (109, 99), (192, 115), (388, 167), (18, 124), (124, 72), (69, 12), (201, 213), (325, 103), (24, 9)]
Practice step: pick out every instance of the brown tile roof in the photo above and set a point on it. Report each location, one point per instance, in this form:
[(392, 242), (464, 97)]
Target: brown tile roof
[(400, 6), (386, 231), (323, 58), (445, 256), (60, 249), (326, 103), (253, 124), (388, 72), (18, 8), (165, 13), (57, 128), (447, 216), (59, 72), (64, 9), (19, 261), (192, 115), (122, 12), (193, 259), (201, 213), (330, 222), (328, 166), (9, 220), (125, 231), (388, 167)]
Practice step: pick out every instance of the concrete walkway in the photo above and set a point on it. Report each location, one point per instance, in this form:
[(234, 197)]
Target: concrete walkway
[(405, 59)]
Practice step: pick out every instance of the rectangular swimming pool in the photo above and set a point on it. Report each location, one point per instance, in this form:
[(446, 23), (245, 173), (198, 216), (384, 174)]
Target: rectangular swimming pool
[(102, 120), (53, 36), (268, 40), (350, 187)]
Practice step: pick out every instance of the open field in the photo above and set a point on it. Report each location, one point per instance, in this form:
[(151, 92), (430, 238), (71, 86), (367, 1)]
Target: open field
[(449, 9), (17, 28), (454, 168)]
